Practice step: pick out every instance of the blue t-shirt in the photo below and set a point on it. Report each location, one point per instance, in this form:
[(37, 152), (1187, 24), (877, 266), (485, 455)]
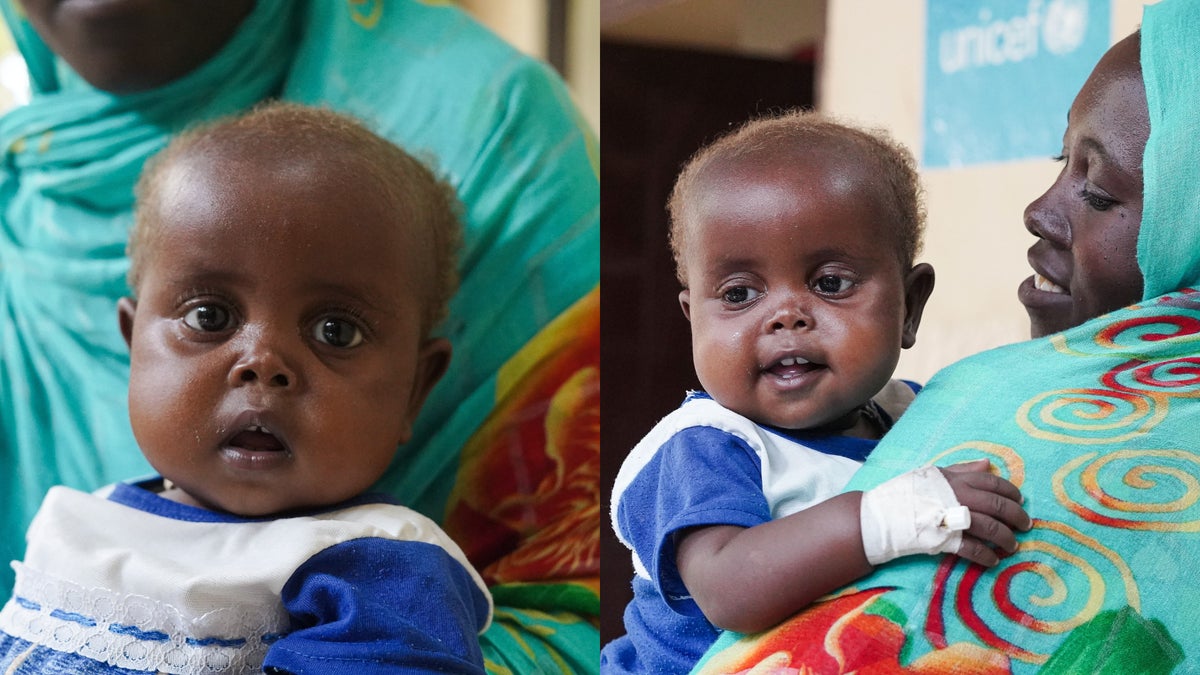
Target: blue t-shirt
[(128, 581), (705, 465)]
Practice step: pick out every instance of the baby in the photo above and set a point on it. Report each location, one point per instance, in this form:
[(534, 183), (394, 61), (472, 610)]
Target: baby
[(289, 267), (794, 239)]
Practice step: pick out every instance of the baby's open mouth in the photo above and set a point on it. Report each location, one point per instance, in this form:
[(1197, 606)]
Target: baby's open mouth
[(257, 438), (791, 367)]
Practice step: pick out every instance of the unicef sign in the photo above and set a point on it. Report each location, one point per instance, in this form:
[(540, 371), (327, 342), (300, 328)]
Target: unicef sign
[(1001, 74)]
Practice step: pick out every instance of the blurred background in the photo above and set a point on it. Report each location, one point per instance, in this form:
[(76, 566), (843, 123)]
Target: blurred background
[(977, 89), (564, 33)]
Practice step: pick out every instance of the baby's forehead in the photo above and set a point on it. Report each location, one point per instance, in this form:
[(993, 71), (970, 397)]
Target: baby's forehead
[(275, 155), (815, 155), (805, 175), (750, 205), (275, 163), (224, 192)]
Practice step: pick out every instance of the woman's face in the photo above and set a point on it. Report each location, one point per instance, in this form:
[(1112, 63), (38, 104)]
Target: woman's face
[(124, 46), (1085, 259)]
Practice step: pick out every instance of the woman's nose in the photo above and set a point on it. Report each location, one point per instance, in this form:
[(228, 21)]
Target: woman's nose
[(1044, 219), (263, 363)]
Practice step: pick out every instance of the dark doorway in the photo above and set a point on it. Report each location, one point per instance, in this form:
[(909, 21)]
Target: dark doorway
[(658, 106)]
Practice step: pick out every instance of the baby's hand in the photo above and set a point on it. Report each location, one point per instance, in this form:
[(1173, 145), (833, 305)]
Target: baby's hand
[(959, 509), (995, 506)]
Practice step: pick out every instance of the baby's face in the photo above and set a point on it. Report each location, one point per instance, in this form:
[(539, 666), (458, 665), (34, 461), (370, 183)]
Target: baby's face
[(276, 344), (796, 295)]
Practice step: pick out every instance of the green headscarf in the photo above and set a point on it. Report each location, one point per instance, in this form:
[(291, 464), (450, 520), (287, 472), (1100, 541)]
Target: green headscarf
[(1169, 241)]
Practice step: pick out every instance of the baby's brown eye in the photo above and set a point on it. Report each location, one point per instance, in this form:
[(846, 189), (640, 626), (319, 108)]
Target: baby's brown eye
[(831, 284), (337, 333), (739, 295), (207, 318)]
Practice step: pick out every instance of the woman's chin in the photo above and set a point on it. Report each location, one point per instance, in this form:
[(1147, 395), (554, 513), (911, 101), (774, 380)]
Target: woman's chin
[(1048, 312)]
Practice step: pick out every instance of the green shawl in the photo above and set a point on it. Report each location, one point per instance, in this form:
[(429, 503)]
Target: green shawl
[(1098, 425), (499, 125)]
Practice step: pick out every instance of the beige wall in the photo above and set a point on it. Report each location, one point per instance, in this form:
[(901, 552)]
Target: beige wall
[(764, 28), (872, 73)]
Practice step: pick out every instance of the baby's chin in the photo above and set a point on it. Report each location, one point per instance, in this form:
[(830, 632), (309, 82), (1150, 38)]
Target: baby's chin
[(248, 503), (793, 421)]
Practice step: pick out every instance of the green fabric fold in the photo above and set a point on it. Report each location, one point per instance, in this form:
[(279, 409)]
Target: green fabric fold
[(1169, 241)]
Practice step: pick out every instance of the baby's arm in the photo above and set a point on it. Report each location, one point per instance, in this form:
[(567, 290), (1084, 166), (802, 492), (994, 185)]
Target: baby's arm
[(749, 579)]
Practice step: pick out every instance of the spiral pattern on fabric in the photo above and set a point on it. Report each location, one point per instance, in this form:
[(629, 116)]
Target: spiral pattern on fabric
[(1168, 332), (1053, 584), (1090, 416), (1172, 377), (1154, 490), (1007, 462)]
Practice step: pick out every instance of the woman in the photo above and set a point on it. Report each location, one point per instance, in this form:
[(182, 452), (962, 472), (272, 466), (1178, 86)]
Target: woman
[(508, 452), (1094, 419)]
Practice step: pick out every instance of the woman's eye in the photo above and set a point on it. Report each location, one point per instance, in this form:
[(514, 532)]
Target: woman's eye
[(208, 318), (1096, 201), (739, 295), (832, 285), (337, 333)]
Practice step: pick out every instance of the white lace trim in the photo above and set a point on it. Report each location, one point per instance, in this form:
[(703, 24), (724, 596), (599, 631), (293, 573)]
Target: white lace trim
[(133, 631)]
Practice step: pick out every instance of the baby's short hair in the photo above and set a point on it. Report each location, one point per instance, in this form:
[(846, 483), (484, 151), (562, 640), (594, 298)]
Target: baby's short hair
[(429, 201), (766, 137)]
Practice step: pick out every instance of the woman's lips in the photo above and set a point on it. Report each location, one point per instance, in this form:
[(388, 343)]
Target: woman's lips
[(1043, 298), (1041, 283)]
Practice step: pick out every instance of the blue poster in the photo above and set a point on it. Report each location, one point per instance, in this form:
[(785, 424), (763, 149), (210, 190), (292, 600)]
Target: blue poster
[(1000, 76)]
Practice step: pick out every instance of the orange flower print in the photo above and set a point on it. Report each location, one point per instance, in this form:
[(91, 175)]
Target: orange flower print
[(526, 502), (839, 636)]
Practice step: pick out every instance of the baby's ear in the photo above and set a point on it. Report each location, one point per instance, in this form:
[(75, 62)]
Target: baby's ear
[(918, 284), (685, 302), (432, 362), (126, 309)]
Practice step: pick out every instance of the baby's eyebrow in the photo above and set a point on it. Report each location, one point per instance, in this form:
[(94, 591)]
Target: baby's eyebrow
[(191, 276), (730, 260), (729, 264), (726, 265), (367, 298)]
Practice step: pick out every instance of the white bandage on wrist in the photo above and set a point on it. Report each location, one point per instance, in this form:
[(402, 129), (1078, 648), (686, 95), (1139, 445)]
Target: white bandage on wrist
[(915, 512)]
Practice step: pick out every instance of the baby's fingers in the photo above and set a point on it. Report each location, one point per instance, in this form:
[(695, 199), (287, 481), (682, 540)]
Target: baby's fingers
[(977, 552), (985, 528), (995, 507), (983, 481), (973, 466)]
